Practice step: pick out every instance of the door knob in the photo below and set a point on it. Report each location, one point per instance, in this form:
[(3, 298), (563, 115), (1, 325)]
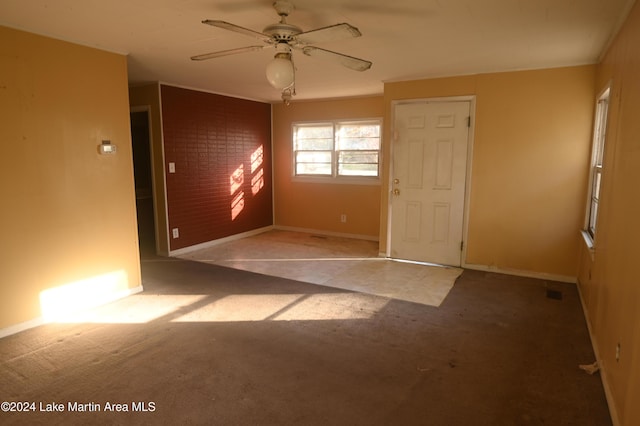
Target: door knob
[(396, 191), (396, 181)]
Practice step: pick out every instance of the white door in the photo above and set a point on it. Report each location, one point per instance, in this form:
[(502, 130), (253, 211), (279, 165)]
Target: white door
[(428, 181)]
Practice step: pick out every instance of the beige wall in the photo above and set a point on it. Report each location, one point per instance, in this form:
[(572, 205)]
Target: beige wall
[(68, 213), (315, 206), (609, 283), (529, 168), (148, 97)]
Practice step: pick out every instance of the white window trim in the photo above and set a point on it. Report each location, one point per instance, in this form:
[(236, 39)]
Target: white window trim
[(335, 178), (596, 146)]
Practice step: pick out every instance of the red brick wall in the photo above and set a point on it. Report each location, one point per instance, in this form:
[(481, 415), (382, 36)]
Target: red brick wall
[(221, 148)]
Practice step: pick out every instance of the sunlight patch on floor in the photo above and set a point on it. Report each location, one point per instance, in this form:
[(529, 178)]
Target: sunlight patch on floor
[(144, 308), (286, 307), (136, 309)]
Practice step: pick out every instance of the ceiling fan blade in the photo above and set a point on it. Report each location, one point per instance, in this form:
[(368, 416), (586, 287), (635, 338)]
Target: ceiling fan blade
[(330, 33), (232, 27), (344, 60), (227, 52)]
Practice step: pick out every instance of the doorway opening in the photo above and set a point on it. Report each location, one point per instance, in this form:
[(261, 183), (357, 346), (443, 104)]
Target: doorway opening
[(142, 166)]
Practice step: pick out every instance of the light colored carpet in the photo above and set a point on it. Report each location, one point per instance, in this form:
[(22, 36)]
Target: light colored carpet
[(343, 263)]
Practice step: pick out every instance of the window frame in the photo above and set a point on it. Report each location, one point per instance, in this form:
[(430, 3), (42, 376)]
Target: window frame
[(600, 126), (334, 176)]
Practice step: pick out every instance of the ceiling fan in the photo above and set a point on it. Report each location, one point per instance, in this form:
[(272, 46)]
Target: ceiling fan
[(284, 37)]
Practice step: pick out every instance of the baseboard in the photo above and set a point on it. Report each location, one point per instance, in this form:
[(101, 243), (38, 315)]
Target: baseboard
[(17, 328), (327, 233), (36, 322), (213, 243), (603, 374), (519, 273)]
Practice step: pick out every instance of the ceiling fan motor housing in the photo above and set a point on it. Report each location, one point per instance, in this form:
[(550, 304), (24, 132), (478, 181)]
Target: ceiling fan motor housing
[(282, 31)]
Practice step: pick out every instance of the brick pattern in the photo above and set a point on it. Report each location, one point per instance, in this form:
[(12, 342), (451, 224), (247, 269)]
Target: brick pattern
[(221, 148)]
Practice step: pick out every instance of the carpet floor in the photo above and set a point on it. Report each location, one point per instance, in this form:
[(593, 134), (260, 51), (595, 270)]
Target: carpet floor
[(206, 344)]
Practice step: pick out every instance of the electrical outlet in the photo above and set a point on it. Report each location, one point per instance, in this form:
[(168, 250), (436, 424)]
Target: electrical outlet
[(618, 352), (343, 218), (176, 233)]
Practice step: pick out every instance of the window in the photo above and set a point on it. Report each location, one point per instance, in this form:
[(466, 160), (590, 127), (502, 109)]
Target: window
[(599, 131), (339, 149)]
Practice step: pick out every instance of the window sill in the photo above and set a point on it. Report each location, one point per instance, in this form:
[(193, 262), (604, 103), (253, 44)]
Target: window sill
[(344, 180), (588, 242)]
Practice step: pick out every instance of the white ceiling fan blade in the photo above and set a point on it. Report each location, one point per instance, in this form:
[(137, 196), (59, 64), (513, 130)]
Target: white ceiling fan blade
[(235, 28), (330, 33), (344, 60), (227, 52)]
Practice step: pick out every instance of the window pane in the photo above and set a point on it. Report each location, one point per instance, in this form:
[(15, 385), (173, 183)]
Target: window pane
[(360, 130), (358, 170), (354, 157), (359, 143), (314, 143), (314, 132), (601, 129), (593, 217), (314, 137), (595, 195), (596, 183), (313, 157), (359, 136), (313, 162), (313, 169), (358, 163)]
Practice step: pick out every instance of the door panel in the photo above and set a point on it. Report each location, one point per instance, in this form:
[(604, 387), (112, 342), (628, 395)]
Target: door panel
[(429, 173), (415, 161)]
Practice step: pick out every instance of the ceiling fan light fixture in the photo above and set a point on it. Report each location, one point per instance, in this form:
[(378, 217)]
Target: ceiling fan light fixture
[(280, 71)]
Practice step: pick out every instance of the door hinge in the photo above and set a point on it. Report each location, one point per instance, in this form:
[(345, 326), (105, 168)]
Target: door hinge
[(461, 245), (469, 121)]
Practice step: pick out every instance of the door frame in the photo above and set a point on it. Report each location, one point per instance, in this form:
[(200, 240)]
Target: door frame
[(467, 187)]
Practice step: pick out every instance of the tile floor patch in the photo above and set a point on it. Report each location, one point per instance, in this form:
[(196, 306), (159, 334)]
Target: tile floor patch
[(345, 263)]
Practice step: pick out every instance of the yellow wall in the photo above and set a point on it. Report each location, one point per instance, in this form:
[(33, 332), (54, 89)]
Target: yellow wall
[(529, 167), (609, 283), (148, 96), (68, 213), (317, 206)]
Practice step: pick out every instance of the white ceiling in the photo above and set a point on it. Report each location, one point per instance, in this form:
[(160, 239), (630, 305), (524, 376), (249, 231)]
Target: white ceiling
[(405, 39)]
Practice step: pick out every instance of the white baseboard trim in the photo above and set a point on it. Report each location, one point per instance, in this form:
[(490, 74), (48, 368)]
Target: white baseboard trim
[(519, 273), (603, 373), (17, 328), (122, 294), (327, 233), (213, 243), (36, 322)]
